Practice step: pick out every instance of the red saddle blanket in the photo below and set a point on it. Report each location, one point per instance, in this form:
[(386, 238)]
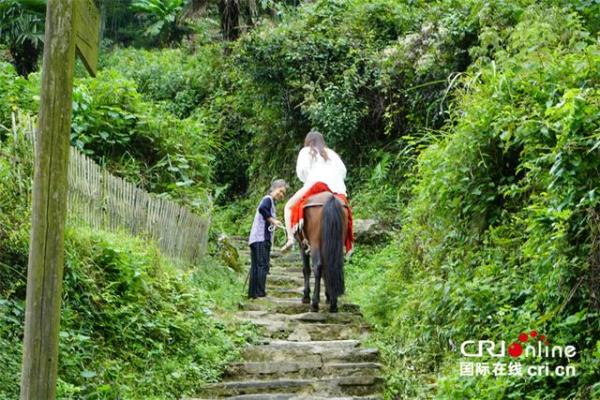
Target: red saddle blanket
[(298, 211)]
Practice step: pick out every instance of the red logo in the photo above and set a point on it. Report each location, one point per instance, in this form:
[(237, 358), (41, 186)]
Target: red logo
[(516, 349)]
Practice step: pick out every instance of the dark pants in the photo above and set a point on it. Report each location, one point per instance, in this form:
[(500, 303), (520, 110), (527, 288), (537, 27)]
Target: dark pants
[(260, 254)]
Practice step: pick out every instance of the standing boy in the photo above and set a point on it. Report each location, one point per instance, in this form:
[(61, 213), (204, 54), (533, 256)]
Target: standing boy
[(261, 237)]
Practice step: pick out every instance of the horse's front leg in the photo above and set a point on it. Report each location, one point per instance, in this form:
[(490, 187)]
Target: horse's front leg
[(317, 268), (306, 272)]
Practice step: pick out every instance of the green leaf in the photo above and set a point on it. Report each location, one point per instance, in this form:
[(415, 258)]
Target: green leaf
[(88, 374)]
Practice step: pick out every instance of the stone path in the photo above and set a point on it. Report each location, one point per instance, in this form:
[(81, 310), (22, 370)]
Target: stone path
[(302, 355)]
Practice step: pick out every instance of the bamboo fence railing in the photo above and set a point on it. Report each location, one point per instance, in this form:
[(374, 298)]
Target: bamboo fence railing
[(107, 202)]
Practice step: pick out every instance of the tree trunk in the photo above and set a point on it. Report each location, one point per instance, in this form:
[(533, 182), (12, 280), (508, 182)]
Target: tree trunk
[(230, 19)]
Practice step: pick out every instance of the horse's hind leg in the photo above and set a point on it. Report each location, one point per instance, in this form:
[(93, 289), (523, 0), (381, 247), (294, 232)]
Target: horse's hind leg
[(306, 272), (317, 268), (333, 305)]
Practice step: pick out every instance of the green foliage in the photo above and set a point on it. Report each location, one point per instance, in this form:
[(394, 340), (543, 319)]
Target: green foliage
[(377, 77), (22, 30), (16, 169), (369, 74), (133, 326), (472, 126), (362, 72), (136, 138), (172, 78), (171, 329), (15, 93), (500, 227), (366, 74), (161, 15), (204, 88), (104, 115)]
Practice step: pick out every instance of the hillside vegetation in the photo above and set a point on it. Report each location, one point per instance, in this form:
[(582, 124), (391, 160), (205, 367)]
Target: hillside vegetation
[(471, 132)]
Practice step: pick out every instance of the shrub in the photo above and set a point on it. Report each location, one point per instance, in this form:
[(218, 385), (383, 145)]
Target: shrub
[(501, 226), (171, 77), (132, 324), (134, 138)]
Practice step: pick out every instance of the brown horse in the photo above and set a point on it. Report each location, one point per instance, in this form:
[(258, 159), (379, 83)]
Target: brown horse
[(322, 239)]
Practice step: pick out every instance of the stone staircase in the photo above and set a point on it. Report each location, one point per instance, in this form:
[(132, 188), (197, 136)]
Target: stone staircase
[(302, 355)]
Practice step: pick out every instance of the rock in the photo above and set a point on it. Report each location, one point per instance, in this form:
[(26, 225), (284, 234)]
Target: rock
[(369, 231), (229, 253), (300, 334), (330, 387)]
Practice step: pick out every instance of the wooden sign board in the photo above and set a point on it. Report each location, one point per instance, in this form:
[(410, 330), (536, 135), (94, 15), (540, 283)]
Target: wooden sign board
[(86, 28)]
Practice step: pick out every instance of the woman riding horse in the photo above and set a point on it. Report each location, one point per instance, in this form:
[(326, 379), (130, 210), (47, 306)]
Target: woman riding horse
[(316, 163), (320, 217)]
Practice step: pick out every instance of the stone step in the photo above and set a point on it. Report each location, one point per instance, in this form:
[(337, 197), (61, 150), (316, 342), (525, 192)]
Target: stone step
[(331, 351), (281, 258), (263, 317), (312, 347), (293, 273), (303, 355), (276, 272), (276, 305), (281, 326), (296, 270), (358, 385), (305, 332), (284, 280), (291, 306), (327, 317), (296, 293), (298, 369), (291, 396), (286, 292)]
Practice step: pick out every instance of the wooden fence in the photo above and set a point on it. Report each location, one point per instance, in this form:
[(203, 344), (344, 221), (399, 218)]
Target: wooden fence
[(107, 202)]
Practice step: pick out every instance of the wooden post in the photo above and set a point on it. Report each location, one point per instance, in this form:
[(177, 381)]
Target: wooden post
[(46, 250)]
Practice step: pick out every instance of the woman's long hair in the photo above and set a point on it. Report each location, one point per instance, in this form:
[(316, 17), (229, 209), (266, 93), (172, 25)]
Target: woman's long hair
[(317, 145)]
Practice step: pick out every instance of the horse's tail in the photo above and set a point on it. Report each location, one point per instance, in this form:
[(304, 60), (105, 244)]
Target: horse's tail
[(332, 246)]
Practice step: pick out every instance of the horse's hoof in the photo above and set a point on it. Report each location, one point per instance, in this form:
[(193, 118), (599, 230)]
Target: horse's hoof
[(333, 309), (305, 300), (314, 308)]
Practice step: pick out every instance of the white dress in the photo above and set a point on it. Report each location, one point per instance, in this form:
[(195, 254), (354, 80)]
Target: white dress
[(312, 169)]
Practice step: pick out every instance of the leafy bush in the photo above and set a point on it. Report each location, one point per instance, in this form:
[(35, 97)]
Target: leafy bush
[(153, 148), (502, 222), (16, 93), (133, 326), (162, 18), (134, 138), (16, 169), (367, 74), (22, 32), (170, 77)]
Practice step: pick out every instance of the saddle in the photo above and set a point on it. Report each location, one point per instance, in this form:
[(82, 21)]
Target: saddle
[(316, 197), (317, 200)]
